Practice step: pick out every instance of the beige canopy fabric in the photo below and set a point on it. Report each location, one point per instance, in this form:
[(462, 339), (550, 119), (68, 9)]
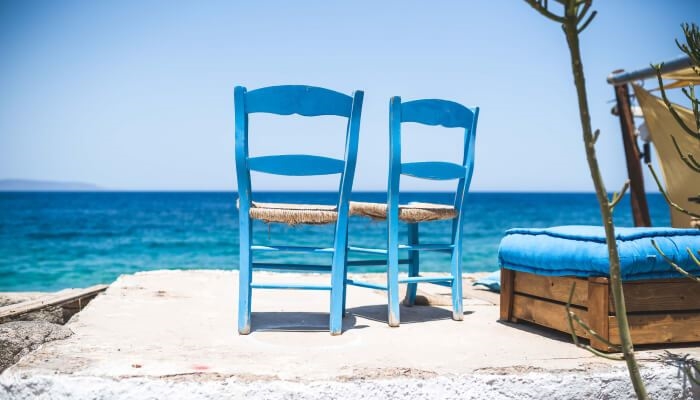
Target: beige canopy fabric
[(681, 182), (682, 78)]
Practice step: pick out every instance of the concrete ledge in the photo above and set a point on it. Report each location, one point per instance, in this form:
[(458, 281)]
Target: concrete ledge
[(663, 383), (172, 334)]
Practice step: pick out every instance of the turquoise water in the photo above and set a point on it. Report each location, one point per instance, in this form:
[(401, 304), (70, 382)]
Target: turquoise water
[(50, 241)]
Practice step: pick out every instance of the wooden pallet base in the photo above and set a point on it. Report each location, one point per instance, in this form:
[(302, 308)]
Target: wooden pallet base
[(659, 311)]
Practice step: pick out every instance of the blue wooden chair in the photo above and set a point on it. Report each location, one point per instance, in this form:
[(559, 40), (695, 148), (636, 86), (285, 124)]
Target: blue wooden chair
[(427, 112), (306, 101)]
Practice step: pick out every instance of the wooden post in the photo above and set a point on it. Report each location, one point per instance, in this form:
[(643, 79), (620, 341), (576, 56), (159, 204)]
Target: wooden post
[(640, 210), (599, 311), (507, 294)]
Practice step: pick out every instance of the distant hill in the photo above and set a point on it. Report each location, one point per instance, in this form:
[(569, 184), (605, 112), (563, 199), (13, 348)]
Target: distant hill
[(28, 185)]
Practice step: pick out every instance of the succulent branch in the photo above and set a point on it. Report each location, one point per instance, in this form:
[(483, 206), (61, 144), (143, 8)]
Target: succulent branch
[(692, 257), (667, 197), (572, 26), (572, 317), (595, 136), (689, 93), (619, 195), (588, 21), (688, 159), (691, 47), (543, 8), (673, 264), (671, 108), (694, 102)]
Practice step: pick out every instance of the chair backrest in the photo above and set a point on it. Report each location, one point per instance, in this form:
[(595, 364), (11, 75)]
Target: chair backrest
[(431, 112), (307, 101)]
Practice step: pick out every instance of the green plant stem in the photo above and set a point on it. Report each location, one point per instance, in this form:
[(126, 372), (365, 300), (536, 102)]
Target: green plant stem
[(667, 197), (676, 266), (571, 31)]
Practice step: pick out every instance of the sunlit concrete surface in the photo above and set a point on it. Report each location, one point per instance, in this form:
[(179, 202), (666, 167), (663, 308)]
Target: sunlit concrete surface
[(172, 334)]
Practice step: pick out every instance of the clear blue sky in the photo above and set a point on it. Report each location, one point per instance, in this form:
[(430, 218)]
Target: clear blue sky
[(138, 94)]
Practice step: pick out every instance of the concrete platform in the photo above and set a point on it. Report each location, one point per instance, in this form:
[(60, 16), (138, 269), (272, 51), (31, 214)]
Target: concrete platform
[(172, 334)]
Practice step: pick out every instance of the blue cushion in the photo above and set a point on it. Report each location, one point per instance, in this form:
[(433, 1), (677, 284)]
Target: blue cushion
[(492, 281), (581, 251)]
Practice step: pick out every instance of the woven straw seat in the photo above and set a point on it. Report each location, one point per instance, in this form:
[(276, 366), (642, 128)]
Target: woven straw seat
[(294, 214), (411, 212)]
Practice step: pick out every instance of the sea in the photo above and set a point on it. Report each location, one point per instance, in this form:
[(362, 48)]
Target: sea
[(55, 240)]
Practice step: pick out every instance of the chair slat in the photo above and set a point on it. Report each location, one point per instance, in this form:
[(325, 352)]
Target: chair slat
[(289, 286), (437, 170), (425, 279), (427, 247), (292, 267), (360, 263), (296, 165), (303, 249), (366, 250), (364, 284), (303, 100), (437, 112)]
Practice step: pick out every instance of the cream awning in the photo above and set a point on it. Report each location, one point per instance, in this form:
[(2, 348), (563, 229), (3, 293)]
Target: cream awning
[(680, 180)]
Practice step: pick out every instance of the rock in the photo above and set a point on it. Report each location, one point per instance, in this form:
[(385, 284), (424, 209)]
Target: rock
[(48, 314), (17, 338), (53, 314)]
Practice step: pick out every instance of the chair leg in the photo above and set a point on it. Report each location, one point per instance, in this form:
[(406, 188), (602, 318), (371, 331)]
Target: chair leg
[(457, 304), (393, 277), (413, 264), (338, 280), (244, 278), (345, 283)]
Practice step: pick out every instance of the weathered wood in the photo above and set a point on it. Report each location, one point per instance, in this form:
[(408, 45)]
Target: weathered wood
[(57, 299), (545, 313), (640, 210), (598, 310), (662, 295), (555, 288), (660, 328), (659, 311), (507, 286)]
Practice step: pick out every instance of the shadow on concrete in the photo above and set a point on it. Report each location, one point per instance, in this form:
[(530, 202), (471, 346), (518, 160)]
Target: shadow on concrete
[(298, 322), (525, 326), (409, 315), (559, 336)]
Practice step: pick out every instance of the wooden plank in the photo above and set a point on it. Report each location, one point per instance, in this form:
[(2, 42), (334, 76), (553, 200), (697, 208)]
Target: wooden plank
[(556, 288), (58, 299), (598, 302), (660, 328), (638, 198), (542, 312), (507, 277), (662, 295)]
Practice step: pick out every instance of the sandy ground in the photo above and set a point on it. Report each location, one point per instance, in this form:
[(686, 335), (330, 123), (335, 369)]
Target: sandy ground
[(172, 334)]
